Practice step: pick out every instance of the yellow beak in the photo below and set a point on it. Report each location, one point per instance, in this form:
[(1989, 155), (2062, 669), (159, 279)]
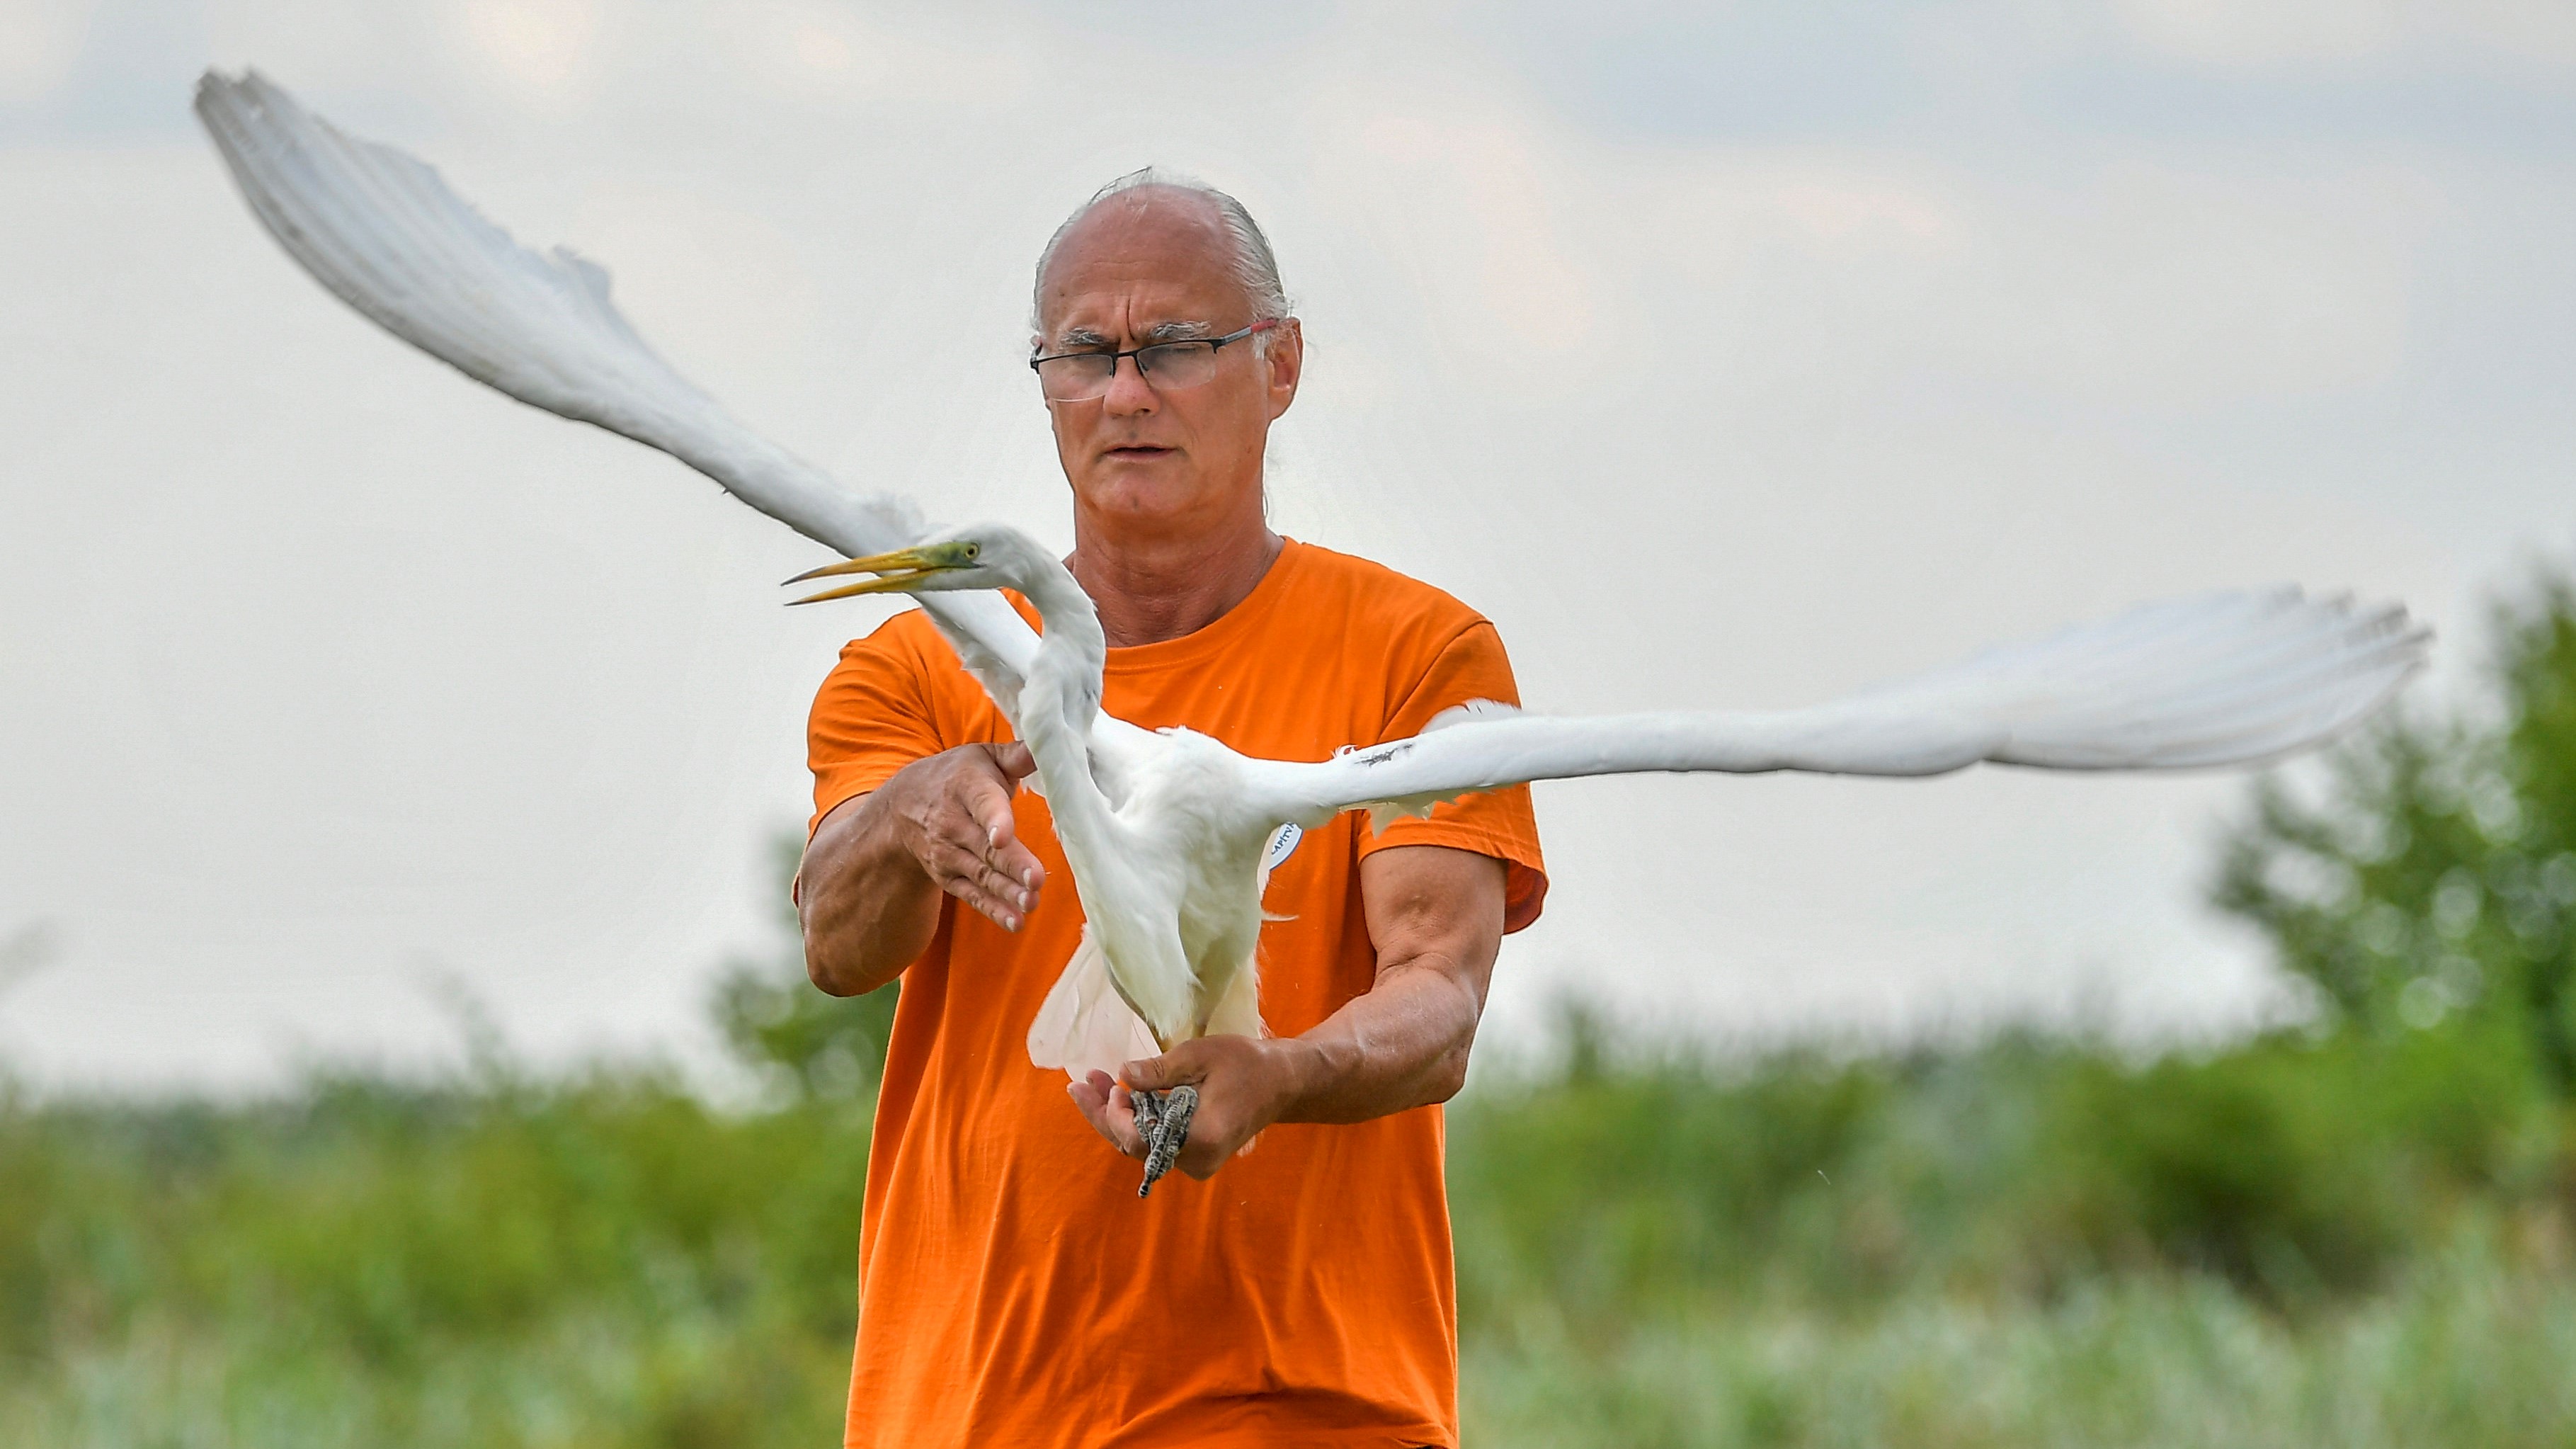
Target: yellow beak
[(898, 570)]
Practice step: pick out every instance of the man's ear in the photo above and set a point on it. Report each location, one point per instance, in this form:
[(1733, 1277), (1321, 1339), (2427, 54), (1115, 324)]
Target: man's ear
[(1285, 352)]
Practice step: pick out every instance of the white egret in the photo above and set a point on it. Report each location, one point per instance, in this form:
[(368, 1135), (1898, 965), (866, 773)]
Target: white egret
[(1170, 878)]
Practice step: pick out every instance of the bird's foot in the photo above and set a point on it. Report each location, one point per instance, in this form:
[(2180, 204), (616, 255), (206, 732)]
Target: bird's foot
[(1164, 1118)]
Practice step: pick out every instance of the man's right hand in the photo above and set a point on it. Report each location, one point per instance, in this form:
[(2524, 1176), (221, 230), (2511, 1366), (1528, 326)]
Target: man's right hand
[(952, 811), (873, 873)]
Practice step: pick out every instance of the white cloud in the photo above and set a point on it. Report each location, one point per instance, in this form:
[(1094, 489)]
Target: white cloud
[(2537, 31), (2344, 35), (2234, 35), (1477, 196), (39, 41), (835, 52), (541, 48)]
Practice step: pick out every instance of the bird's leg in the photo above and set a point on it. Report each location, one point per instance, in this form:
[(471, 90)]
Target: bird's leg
[(1168, 1132)]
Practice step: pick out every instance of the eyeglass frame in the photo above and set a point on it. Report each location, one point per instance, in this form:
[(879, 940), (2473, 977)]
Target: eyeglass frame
[(1214, 343)]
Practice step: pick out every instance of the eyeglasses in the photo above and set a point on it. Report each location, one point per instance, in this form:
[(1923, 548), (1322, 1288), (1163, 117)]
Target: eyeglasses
[(1082, 376)]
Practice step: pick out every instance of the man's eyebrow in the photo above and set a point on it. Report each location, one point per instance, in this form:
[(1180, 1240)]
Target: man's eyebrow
[(1072, 337), (1178, 331)]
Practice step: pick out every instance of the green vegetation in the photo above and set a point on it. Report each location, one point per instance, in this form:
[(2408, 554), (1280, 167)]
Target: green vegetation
[(2361, 1232)]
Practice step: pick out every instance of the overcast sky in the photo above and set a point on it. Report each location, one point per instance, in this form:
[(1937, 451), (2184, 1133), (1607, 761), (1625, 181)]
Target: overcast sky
[(1723, 355)]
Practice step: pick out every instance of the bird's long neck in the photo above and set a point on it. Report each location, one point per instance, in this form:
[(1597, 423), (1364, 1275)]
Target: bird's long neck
[(1074, 649), (1058, 703)]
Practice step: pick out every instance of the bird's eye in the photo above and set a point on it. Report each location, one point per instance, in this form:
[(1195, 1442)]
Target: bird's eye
[(973, 549)]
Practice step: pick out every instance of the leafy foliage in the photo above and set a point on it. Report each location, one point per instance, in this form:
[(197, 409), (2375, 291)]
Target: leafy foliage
[(2435, 872), (460, 1263), (810, 1046), (2298, 1171)]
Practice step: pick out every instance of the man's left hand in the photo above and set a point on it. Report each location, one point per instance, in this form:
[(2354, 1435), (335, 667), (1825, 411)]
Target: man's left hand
[(1243, 1086)]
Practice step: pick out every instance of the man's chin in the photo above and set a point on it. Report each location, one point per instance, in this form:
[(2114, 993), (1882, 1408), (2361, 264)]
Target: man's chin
[(1164, 471), (1168, 488)]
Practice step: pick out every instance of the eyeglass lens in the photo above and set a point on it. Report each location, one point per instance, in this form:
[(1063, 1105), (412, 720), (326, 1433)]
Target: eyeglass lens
[(1087, 375)]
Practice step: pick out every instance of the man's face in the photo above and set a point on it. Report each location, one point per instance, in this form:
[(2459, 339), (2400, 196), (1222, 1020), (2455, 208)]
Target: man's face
[(1151, 266)]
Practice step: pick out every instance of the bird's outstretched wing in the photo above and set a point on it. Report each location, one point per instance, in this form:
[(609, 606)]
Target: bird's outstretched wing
[(382, 231), (2223, 679)]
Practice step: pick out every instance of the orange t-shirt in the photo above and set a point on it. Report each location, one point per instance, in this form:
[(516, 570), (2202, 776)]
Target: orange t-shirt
[(1012, 1287)]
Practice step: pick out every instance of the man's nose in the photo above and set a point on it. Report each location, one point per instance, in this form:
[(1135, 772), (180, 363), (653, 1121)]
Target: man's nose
[(1129, 393)]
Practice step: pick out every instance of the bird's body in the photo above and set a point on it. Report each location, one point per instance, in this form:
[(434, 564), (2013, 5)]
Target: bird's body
[(1148, 867)]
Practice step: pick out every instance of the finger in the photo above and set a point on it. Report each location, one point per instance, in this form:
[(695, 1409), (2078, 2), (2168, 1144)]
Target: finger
[(997, 879), (1205, 1152), (999, 913), (1171, 1069), (1105, 1105), (1016, 761), (1099, 1116), (991, 881), (1020, 865), (1122, 1120), (988, 800), (1008, 869), (1094, 1104)]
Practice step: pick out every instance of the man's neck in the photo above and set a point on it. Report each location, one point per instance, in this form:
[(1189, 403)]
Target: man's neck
[(1164, 585)]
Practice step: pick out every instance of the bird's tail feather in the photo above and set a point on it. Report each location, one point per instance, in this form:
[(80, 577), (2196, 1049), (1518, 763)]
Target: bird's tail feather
[(1085, 1025)]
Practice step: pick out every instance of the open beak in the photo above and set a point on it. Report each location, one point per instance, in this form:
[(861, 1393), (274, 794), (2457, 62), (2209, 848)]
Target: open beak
[(896, 571)]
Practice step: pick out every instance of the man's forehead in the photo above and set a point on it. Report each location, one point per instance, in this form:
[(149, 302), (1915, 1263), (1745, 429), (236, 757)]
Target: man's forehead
[(1163, 258), (1144, 315)]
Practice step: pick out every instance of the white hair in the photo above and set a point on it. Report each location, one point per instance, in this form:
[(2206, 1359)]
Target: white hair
[(1252, 262)]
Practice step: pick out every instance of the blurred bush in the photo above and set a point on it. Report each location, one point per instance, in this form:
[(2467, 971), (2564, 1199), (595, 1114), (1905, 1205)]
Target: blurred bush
[(432, 1264), (800, 1044), (2296, 1170), (2435, 873)]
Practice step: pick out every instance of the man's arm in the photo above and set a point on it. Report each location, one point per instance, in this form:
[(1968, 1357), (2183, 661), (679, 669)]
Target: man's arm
[(868, 889), (1435, 915)]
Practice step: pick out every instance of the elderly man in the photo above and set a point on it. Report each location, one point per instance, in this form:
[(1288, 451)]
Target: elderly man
[(1013, 1289)]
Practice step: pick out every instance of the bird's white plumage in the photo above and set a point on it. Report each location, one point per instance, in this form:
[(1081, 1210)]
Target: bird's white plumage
[(2223, 679)]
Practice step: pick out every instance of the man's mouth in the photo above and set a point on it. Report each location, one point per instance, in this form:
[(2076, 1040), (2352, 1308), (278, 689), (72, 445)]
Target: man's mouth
[(1137, 452)]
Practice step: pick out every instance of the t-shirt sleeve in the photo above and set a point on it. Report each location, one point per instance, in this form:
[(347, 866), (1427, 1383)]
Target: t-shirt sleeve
[(1499, 823), (871, 718)]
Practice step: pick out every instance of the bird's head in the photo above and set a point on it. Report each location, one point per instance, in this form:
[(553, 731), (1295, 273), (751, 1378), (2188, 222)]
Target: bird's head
[(988, 556)]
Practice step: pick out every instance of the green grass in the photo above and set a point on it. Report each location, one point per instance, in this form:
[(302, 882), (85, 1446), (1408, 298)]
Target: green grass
[(2353, 1241), (595, 1262), (2031, 1242), (2463, 1350)]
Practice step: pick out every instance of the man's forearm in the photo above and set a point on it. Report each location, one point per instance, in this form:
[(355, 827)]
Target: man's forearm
[(1436, 918), (878, 864), (867, 906), (1401, 1044)]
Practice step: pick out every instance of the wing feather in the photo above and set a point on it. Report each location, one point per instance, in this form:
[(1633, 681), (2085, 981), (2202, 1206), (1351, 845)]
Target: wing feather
[(2224, 679), (384, 234)]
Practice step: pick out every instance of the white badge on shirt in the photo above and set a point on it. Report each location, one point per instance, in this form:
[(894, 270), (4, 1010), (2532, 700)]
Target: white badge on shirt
[(1283, 844)]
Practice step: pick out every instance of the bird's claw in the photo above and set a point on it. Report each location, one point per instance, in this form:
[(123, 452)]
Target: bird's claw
[(1164, 1119)]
